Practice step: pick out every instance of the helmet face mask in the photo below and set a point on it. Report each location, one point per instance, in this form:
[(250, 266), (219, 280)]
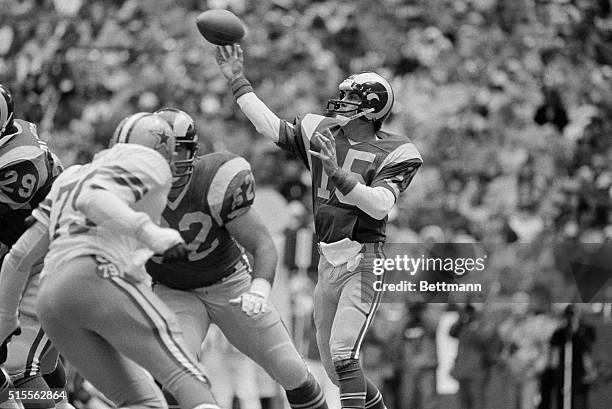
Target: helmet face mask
[(376, 95), (342, 106), (6, 110), (184, 131), (148, 130)]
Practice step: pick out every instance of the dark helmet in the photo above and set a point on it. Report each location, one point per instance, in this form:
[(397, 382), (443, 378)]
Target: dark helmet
[(6, 110), (376, 96), (184, 131)]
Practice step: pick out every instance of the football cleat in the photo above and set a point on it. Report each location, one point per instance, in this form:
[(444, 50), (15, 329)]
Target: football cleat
[(148, 130), (376, 97), (184, 131)]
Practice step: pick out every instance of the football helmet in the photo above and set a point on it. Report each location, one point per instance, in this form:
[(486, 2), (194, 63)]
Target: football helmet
[(6, 110), (148, 130), (184, 131), (376, 97)]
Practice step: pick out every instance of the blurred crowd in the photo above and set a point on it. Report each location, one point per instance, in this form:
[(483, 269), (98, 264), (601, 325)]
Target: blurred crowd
[(501, 356), (509, 102)]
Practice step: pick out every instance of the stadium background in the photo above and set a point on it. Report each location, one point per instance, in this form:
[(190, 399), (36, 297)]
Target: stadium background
[(509, 102)]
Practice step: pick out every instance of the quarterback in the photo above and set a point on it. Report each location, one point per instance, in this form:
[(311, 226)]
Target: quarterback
[(358, 172), (27, 170), (210, 204), (98, 225)]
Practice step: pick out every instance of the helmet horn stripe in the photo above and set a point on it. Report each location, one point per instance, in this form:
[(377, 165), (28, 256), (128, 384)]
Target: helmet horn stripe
[(4, 114), (124, 135), (181, 125)]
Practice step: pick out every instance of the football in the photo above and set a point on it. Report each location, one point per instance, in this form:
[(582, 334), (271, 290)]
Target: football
[(220, 27)]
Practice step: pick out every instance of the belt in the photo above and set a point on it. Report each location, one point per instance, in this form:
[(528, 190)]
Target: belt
[(242, 262)]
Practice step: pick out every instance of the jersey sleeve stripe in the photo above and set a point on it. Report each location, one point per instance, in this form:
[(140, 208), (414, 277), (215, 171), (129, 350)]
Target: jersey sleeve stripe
[(126, 178), (402, 153), (20, 153), (287, 132), (309, 125), (399, 174), (221, 182), (126, 181)]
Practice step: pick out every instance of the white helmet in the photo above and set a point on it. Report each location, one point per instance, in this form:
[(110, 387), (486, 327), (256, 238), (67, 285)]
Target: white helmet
[(148, 130)]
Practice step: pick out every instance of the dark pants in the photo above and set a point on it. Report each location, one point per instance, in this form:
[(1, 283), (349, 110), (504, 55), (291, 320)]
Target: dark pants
[(472, 392), (418, 389)]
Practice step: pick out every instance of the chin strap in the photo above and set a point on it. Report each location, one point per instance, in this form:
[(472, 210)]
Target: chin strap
[(343, 120)]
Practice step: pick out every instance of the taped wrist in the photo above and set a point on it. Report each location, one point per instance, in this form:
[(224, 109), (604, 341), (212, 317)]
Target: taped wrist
[(344, 181), (240, 86), (261, 287), (150, 234)]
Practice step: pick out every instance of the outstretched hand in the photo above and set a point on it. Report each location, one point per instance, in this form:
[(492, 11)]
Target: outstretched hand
[(230, 59), (327, 154)]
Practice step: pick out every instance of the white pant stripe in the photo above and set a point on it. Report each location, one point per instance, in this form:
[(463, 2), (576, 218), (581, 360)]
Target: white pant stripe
[(162, 328), (40, 348)]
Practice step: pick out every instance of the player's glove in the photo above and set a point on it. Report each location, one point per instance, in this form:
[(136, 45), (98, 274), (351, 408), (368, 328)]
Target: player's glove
[(254, 301), (162, 240)]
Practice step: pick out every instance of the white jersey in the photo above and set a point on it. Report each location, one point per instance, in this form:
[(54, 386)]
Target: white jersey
[(137, 175)]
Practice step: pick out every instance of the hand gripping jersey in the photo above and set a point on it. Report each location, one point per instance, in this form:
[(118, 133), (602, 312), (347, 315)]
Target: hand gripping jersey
[(27, 170), (137, 175), (221, 189), (390, 161)]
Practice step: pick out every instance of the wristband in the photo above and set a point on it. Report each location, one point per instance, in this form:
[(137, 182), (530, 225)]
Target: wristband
[(344, 181), (240, 86), (261, 287)]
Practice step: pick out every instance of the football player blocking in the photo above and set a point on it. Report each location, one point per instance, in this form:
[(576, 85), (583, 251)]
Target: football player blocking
[(210, 205), (358, 173), (99, 224), (27, 170)]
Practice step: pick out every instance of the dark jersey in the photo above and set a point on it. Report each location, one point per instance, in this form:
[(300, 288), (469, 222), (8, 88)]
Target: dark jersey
[(221, 189), (27, 170), (390, 161)]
